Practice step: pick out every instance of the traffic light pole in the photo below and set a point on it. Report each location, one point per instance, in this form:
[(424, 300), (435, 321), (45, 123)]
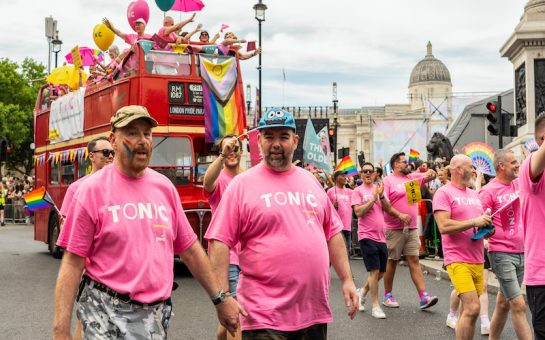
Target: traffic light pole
[(500, 134)]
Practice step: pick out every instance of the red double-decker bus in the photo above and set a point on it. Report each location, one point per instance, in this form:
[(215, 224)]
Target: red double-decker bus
[(170, 86)]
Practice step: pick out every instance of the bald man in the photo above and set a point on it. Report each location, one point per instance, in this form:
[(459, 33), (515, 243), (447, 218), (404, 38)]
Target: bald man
[(169, 30), (459, 213)]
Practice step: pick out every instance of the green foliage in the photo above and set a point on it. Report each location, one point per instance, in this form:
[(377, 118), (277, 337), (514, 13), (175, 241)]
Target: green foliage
[(19, 86)]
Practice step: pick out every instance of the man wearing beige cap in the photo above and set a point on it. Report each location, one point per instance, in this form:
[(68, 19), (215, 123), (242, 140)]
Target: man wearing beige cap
[(123, 228)]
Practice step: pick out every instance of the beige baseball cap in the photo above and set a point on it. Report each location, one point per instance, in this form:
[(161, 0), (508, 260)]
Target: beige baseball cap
[(125, 115)]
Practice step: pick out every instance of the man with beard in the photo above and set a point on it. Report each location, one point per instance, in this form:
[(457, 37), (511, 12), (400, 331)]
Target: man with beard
[(123, 229), (459, 212), (289, 233), (401, 231), (532, 192), (506, 247), (340, 197), (216, 179)]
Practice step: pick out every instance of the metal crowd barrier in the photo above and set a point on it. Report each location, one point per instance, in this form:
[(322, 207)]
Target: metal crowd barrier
[(15, 212)]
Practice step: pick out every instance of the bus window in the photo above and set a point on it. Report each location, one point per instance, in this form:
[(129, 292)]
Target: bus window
[(84, 167), (168, 63), (54, 173), (67, 172), (203, 162), (172, 157)]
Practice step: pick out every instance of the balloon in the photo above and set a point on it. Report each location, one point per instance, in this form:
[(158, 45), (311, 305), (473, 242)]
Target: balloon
[(136, 10), (103, 36), (164, 5)]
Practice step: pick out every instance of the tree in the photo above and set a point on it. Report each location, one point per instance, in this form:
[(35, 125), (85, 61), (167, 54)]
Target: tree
[(19, 86)]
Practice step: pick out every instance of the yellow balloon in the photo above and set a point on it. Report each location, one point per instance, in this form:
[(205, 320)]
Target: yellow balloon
[(103, 36)]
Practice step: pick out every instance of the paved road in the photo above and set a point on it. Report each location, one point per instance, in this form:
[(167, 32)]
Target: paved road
[(27, 280)]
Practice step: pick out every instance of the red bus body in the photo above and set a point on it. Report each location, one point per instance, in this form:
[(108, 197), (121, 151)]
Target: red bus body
[(175, 101)]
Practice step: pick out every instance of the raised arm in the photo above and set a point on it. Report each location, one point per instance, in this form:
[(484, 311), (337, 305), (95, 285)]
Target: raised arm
[(249, 55), (179, 25), (115, 30), (212, 173), (537, 163)]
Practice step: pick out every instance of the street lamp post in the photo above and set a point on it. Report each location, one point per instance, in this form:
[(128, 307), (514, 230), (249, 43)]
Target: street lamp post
[(57, 43), (248, 99), (260, 9), (335, 123)]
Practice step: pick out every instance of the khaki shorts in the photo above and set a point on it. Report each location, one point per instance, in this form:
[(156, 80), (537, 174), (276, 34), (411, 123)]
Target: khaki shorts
[(400, 243)]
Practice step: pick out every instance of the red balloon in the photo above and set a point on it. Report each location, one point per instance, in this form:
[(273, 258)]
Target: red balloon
[(136, 10)]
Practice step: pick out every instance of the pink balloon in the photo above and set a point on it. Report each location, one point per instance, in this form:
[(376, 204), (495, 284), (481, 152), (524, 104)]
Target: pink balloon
[(136, 10)]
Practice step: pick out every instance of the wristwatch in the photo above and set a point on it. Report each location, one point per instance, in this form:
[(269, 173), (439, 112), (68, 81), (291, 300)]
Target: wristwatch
[(219, 297)]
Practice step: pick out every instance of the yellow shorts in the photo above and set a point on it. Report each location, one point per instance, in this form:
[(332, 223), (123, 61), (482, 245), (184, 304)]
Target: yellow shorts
[(466, 277)]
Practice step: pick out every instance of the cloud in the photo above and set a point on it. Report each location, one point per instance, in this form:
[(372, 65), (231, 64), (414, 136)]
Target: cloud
[(368, 47)]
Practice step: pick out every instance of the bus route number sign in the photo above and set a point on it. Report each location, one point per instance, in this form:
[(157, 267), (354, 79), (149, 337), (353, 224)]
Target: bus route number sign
[(176, 93)]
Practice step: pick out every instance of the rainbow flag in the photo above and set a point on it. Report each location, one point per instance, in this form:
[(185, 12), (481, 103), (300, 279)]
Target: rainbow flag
[(347, 165), (413, 155), (224, 110), (38, 199)]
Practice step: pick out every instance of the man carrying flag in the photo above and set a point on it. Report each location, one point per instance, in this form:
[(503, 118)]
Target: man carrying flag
[(506, 246)]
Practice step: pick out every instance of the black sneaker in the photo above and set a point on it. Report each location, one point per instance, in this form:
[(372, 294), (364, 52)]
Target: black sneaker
[(2, 224)]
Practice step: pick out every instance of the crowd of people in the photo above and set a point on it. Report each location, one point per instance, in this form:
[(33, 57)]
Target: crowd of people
[(271, 246), (12, 190)]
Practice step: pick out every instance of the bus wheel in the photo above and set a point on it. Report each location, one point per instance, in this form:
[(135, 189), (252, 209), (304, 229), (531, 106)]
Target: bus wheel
[(54, 230)]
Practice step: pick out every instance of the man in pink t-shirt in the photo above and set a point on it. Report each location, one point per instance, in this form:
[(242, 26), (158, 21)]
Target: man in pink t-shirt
[(123, 229), (216, 179), (532, 197), (169, 30), (459, 212), (401, 232), (287, 229), (340, 197), (131, 39), (368, 201), (506, 246)]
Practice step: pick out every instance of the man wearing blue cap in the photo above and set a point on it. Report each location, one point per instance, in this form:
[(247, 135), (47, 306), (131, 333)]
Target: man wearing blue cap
[(289, 232)]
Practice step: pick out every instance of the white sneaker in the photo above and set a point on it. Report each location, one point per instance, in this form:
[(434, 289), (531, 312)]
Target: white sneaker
[(361, 300), (485, 329), (378, 313), (452, 320)]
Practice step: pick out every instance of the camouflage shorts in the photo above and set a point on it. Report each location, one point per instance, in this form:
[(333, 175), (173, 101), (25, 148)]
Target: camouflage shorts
[(105, 317)]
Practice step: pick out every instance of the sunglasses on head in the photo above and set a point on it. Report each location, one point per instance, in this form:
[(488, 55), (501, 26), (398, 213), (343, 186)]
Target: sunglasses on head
[(367, 171), (105, 152)]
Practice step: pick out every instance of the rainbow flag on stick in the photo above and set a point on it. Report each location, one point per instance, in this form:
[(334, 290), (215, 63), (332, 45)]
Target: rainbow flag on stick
[(347, 165), (413, 156), (224, 110), (38, 199)]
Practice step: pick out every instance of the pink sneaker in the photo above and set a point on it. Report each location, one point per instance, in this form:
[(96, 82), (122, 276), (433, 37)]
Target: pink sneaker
[(428, 301), (390, 301)]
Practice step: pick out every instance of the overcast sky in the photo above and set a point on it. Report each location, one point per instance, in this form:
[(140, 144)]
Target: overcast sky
[(368, 47)]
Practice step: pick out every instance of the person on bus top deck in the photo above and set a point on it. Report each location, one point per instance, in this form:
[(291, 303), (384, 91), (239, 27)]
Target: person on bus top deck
[(204, 37), (123, 207), (101, 154), (169, 30), (186, 36), (129, 38), (113, 53), (216, 179), (231, 39)]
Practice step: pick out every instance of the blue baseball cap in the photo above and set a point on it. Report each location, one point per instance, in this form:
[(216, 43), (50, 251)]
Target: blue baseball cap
[(276, 118)]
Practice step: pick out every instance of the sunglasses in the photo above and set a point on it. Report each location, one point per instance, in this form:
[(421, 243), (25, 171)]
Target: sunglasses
[(367, 171), (105, 152)]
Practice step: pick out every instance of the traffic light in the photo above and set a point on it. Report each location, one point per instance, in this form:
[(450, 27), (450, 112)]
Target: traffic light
[(331, 133), (3, 149), (493, 117), (508, 129)]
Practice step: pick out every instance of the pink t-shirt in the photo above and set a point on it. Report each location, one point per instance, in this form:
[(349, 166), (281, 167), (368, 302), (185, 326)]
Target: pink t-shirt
[(170, 38), (68, 197), (394, 190), (128, 229), (342, 197), (462, 204), (283, 221), (509, 235), (131, 39), (532, 196), (370, 225), (214, 199)]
